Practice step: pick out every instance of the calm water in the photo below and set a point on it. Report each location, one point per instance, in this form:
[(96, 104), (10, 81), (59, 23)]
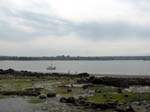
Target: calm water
[(95, 67)]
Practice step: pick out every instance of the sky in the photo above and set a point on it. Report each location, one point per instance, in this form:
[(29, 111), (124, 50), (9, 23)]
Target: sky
[(74, 27)]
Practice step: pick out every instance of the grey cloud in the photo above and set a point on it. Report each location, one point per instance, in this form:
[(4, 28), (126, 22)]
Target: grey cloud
[(43, 25), (48, 25), (140, 5), (112, 30)]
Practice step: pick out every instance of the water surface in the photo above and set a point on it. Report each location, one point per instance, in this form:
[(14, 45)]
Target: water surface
[(94, 67)]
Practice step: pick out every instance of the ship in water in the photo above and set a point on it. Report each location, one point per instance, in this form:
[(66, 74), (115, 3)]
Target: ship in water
[(51, 67)]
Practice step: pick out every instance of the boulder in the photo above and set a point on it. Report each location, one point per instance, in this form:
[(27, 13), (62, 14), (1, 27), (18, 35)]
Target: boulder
[(63, 100), (84, 74), (67, 100), (69, 90), (51, 94), (42, 96), (70, 100)]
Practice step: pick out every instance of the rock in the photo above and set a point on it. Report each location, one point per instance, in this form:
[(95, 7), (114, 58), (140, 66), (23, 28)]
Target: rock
[(10, 70), (130, 109), (119, 90), (110, 105), (34, 89), (20, 93), (42, 96), (126, 96), (67, 100), (70, 100), (124, 108), (84, 74), (63, 100), (82, 98), (51, 94), (81, 101), (98, 91), (69, 90), (87, 86)]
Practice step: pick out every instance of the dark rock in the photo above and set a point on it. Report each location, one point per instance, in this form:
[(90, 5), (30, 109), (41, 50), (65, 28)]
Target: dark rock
[(82, 102), (119, 90), (126, 96), (69, 90), (11, 70), (70, 100), (130, 109), (67, 100), (42, 96), (34, 89), (20, 93), (124, 108), (81, 98), (63, 100), (84, 75), (87, 86), (51, 95), (103, 105)]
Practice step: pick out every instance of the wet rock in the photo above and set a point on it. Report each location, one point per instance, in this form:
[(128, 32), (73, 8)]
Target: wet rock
[(67, 100), (70, 100), (81, 101), (81, 98), (124, 108), (126, 96), (84, 75), (130, 109), (10, 70), (119, 90), (42, 96), (103, 105), (123, 82), (87, 86), (51, 95), (19, 93), (69, 90), (34, 89), (63, 100)]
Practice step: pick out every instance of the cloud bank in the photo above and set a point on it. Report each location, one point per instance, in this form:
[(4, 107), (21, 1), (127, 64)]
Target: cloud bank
[(74, 27)]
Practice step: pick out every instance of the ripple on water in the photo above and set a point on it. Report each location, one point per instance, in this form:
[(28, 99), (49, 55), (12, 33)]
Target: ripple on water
[(18, 104), (21, 104)]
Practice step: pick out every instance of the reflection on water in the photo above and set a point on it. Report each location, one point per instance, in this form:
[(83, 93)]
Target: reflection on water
[(18, 104)]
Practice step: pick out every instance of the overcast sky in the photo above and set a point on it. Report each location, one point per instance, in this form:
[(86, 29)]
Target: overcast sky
[(74, 27)]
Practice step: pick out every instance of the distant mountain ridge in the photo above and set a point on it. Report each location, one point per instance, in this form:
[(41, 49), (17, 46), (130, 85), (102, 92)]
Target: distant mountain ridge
[(75, 58)]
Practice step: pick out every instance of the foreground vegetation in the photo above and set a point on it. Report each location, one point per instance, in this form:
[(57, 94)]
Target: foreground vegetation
[(78, 91)]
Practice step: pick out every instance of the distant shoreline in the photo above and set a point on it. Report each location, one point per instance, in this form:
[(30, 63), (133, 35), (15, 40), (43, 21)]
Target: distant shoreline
[(33, 73), (121, 75), (75, 58)]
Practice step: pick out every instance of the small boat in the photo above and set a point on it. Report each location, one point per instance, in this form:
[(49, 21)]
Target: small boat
[(51, 67)]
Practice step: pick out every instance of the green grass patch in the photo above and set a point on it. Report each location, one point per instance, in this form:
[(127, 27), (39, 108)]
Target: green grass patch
[(124, 97), (1, 96), (104, 89), (15, 86), (36, 100), (44, 91), (64, 91)]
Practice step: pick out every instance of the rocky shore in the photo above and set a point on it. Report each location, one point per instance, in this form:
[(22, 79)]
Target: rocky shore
[(38, 74), (79, 90)]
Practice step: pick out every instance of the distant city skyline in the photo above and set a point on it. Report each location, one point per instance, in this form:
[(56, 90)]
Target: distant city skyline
[(74, 27)]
